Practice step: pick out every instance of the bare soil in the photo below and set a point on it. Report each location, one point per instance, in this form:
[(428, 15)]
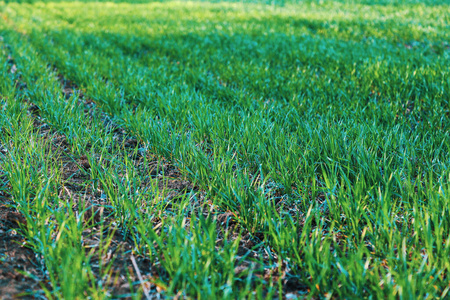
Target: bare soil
[(20, 271)]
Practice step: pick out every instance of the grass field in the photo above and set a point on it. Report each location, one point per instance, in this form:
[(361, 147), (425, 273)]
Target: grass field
[(225, 150)]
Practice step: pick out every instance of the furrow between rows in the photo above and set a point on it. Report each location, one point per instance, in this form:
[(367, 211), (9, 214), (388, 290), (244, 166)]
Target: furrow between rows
[(94, 182)]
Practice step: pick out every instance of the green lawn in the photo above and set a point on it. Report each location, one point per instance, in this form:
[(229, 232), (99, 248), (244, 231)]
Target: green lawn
[(229, 150)]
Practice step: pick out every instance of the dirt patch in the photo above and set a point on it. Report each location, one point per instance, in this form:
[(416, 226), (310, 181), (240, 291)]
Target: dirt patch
[(21, 274)]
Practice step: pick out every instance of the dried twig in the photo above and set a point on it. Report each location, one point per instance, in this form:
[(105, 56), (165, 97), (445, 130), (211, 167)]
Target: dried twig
[(146, 293)]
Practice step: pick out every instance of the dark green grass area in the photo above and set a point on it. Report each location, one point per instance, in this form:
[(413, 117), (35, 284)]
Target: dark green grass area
[(323, 128)]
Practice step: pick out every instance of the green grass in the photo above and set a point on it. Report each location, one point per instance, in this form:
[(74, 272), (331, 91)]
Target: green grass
[(323, 129)]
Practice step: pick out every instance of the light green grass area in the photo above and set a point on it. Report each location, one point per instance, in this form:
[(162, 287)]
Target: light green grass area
[(322, 128)]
